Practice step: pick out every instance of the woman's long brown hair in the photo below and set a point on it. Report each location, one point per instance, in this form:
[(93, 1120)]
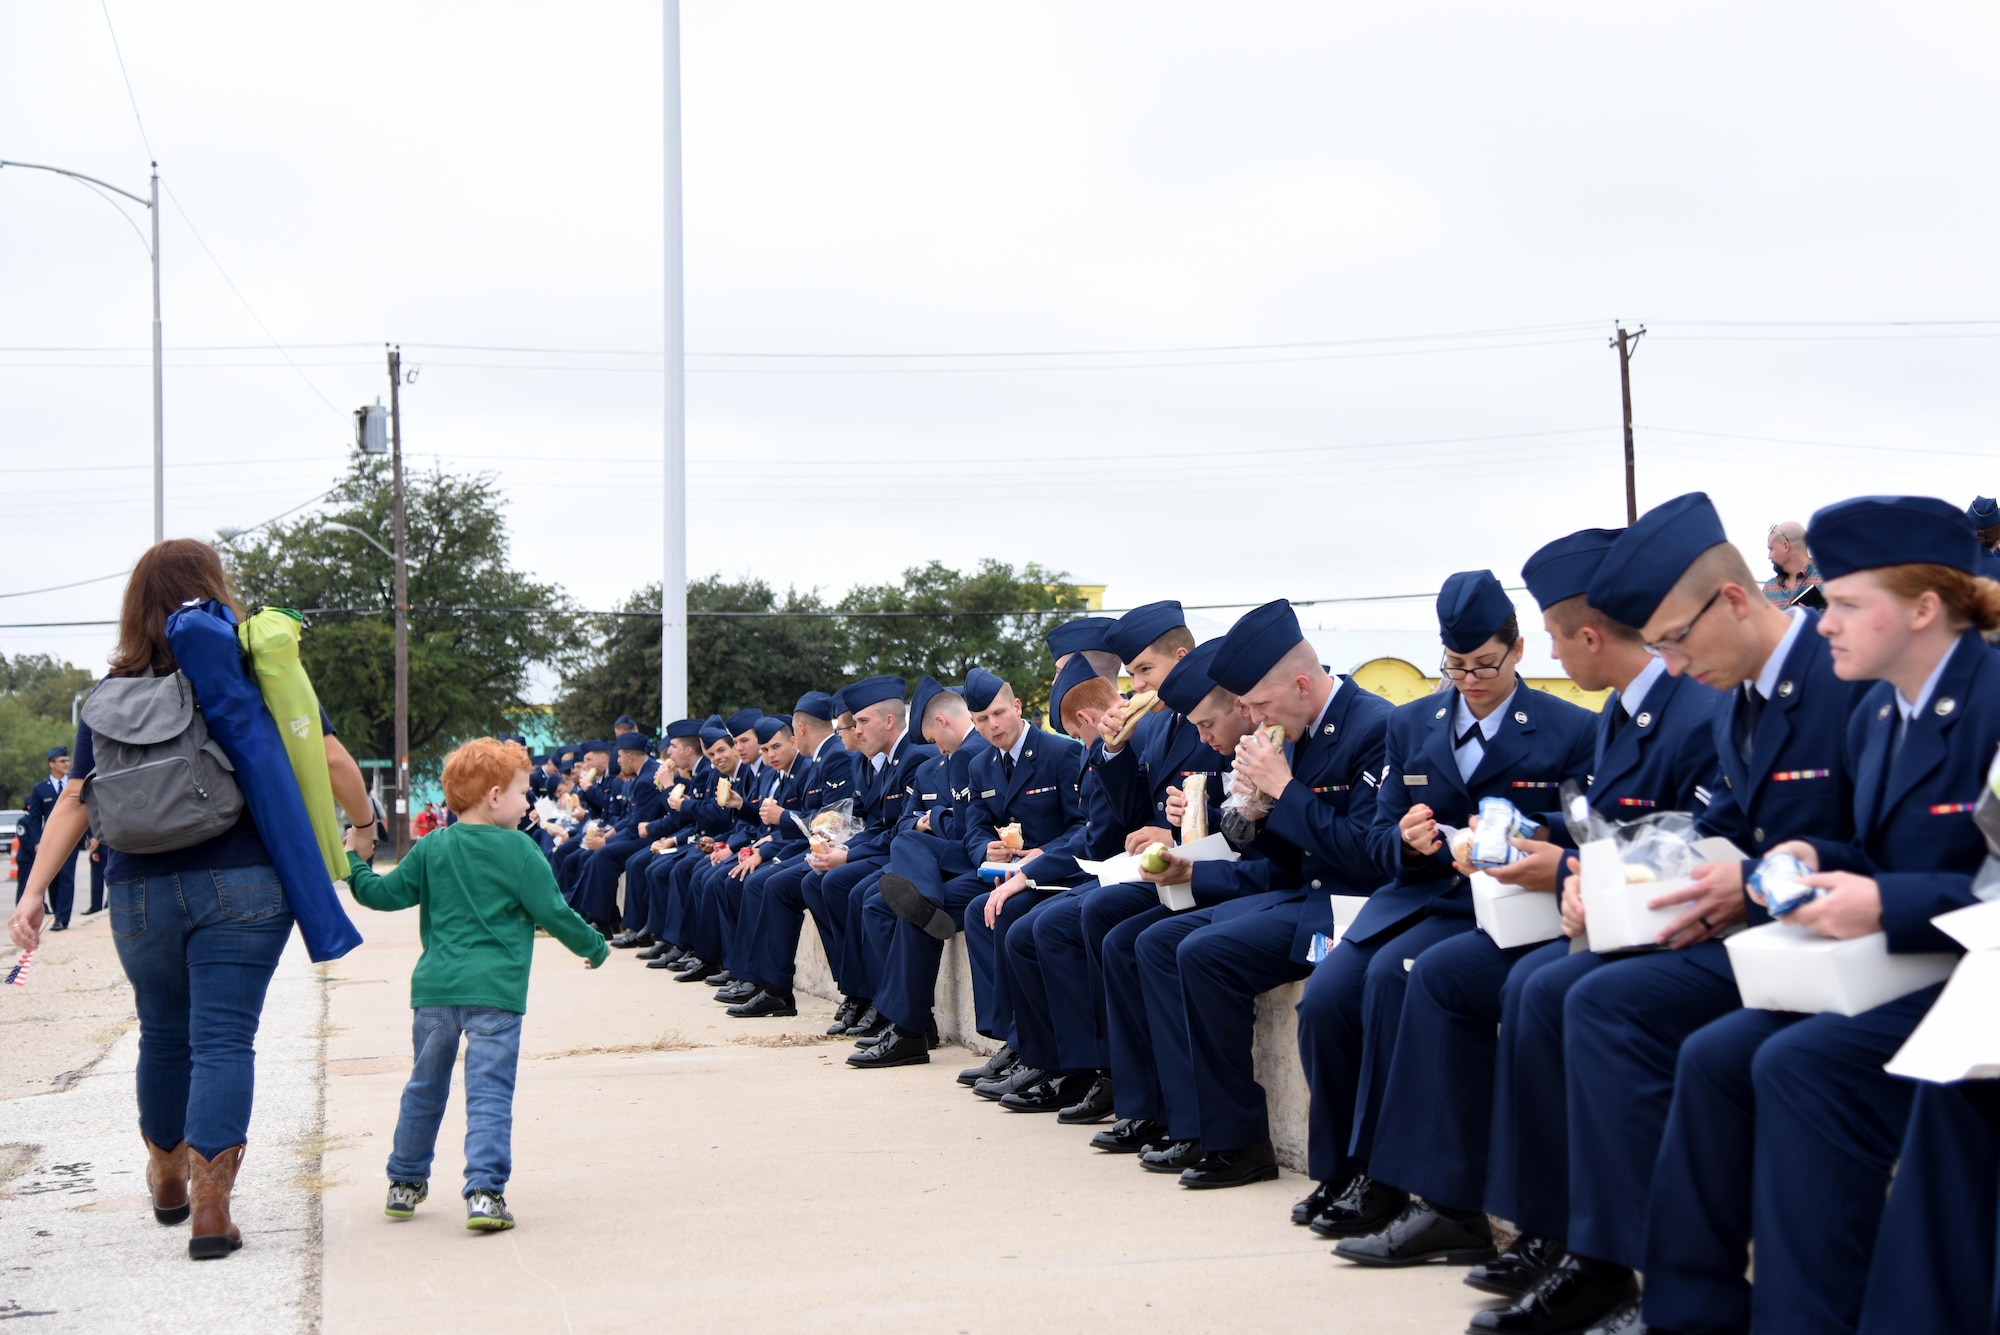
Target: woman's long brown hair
[(171, 573)]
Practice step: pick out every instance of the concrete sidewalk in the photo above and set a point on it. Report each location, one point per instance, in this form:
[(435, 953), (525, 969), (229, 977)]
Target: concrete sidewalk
[(675, 1165), (81, 1249)]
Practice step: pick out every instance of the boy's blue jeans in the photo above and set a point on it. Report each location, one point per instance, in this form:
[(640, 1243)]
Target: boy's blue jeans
[(492, 1050)]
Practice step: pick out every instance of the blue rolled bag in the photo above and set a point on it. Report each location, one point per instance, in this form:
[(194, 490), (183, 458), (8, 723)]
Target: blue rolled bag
[(203, 638)]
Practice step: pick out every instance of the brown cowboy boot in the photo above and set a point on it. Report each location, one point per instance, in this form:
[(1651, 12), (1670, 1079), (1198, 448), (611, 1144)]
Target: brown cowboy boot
[(211, 1182), (167, 1179)]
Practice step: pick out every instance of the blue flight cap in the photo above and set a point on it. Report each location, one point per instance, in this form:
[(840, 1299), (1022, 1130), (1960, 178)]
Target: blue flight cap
[(632, 741), (980, 689), (1650, 557), (596, 745), (1253, 646), (1471, 608), (770, 726), (710, 736), (1131, 633), (57, 753), (920, 700), (871, 691), (712, 721), (683, 728), (625, 723), (1870, 532), (742, 721), (1074, 673), (1984, 512), (538, 761), (816, 704), (567, 766), (567, 755), (1563, 569), (1188, 682), (1085, 634)]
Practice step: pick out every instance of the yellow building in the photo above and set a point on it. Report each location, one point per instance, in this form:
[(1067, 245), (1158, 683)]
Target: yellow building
[(1399, 683)]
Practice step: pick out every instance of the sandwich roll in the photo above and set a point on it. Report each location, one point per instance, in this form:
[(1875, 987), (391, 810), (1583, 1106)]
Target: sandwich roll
[(1140, 705), (1274, 733), (1194, 820), (722, 792)]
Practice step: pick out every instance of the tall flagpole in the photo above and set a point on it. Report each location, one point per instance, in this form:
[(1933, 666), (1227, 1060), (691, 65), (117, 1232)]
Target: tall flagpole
[(673, 570)]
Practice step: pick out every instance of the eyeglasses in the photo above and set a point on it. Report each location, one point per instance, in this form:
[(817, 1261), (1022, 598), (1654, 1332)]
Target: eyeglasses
[(1478, 672), (1674, 641)]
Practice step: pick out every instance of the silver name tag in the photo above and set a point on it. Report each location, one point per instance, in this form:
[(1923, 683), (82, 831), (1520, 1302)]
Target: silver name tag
[(1416, 780)]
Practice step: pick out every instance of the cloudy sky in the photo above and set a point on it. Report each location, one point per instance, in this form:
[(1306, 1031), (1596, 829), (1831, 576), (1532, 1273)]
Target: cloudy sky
[(1211, 303)]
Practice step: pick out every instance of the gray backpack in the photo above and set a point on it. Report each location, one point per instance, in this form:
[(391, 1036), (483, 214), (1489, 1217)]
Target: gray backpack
[(158, 781)]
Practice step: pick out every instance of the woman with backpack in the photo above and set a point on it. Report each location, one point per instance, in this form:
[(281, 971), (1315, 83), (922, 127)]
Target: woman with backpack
[(197, 909)]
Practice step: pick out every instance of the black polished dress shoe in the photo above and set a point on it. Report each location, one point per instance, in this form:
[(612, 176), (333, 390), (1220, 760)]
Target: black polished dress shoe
[(1094, 1106), (673, 958), (844, 1018), (1046, 1096), (720, 978), (1527, 1258), (1572, 1295), (59, 925), (1018, 1076), (1361, 1207), (94, 908), (1233, 1168), (740, 990), (931, 1036), (1626, 1321), (766, 1003), (1323, 1194), (871, 1026), (654, 951), (1129, 1135), (696, 970), (899, 1047), (995, 1064), (632, 940), (908, 903), (1420, 1235), (1174, 1156)]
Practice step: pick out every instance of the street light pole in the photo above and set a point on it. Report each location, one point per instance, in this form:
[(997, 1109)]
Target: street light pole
[(673, 569), (159, 397), (402, 821), (159, 381)]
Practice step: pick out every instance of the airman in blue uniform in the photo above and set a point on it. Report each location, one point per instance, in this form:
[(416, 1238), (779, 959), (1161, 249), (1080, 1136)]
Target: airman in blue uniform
[(1054, 969), (1655, 752), (1784, 1126), (41, 801), (1984, 515), (1028, 778), (1484, 734), (785, 770), (643, 803), (1262, 921), (774, 906), (1622, 1019)]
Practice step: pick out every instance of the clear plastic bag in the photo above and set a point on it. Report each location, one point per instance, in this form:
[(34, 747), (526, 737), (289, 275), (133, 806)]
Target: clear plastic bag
[(1243, 810), (1780, 879), (832, 827), (1659, 847), (1499, 822)]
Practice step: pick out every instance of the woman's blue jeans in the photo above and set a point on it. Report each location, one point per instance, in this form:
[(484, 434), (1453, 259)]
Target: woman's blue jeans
[(199, 948), (492, 1051)]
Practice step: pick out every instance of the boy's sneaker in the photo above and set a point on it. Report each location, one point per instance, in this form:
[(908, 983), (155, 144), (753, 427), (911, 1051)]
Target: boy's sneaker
[(404, 1198), (487, 1211)]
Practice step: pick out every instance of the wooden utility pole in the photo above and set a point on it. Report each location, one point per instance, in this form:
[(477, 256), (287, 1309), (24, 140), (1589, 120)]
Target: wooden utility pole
[(1625, 343), (401, 822)]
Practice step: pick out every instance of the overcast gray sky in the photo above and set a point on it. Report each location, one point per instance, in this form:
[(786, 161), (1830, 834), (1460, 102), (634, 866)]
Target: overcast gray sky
[(1410, 226)]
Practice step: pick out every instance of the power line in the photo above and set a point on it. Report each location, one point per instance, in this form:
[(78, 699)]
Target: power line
[(134, 97), (57, 588), (180, 209)]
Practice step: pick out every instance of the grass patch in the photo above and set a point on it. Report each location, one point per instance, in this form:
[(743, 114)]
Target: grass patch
[(788, 1040), (671, 1041)]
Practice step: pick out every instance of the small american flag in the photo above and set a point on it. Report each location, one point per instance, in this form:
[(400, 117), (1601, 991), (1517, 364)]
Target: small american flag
[(18, 975)]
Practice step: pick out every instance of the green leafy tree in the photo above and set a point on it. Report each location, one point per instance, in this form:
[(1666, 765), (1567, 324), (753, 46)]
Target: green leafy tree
[(770, 650), (992, 617), (735, 662), (36, 692), (478, 626)]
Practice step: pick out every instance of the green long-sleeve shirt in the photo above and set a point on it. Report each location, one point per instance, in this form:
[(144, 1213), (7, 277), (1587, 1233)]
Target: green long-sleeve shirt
[(480, 890)]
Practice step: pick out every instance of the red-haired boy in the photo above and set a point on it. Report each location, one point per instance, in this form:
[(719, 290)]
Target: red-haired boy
[(481, 887)]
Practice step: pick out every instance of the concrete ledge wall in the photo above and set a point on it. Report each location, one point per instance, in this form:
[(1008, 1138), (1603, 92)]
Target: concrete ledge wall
[(1276, 1044)]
